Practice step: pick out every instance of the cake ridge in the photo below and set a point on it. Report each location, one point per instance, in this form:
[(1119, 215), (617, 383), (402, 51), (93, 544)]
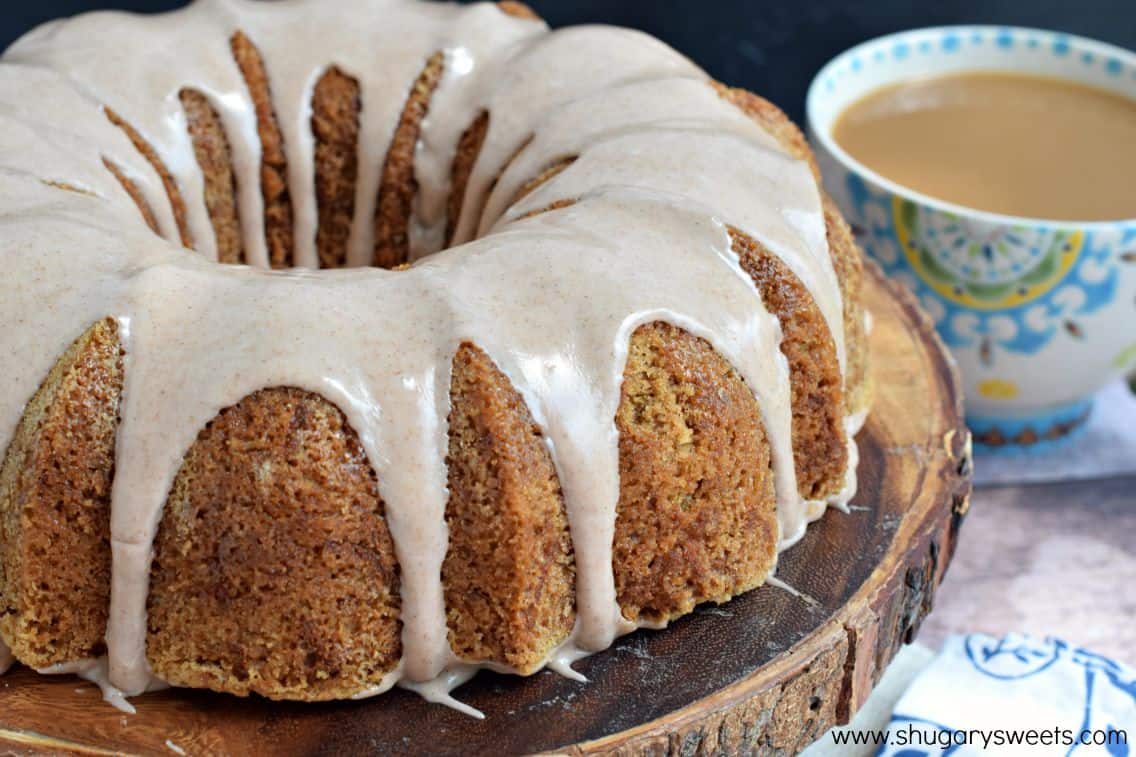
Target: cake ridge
[(465, 157), (135, 194), (173, 193), (213, 151), (336, 162), (275, 168), (399, 186)]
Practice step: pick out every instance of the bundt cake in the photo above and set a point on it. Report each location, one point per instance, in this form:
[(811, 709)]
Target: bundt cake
[(349, 345)]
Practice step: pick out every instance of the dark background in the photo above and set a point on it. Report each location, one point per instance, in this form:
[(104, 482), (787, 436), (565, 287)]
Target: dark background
[(772, 47)]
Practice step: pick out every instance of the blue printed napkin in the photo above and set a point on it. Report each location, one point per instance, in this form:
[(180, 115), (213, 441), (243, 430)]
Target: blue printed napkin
[(1016, 695)]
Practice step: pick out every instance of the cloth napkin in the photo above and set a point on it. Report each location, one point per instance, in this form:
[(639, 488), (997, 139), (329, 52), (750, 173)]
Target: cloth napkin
[(998, 690)]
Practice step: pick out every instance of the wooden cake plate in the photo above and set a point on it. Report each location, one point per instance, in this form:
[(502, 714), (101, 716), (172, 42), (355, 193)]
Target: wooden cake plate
[(767, 672)]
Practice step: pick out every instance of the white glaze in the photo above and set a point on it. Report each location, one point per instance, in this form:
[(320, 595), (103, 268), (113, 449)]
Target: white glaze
[(663, 167), (96, 671)]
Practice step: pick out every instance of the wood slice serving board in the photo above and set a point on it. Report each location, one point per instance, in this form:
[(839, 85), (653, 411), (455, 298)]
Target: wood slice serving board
[(767, 672)]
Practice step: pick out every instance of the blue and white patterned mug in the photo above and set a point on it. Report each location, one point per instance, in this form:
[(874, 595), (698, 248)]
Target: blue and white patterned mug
[(1039, 314)]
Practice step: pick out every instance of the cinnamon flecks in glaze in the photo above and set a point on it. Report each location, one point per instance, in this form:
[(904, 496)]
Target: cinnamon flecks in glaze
[(55, 488), (469, 147), (849, 268), (273, 159), (817, 395), (274, 571), (335, 125), (177, 204), (509, 575), (398, 185), (547, 173), (773, 120), (135, 194), (211, 148), (696, 519)]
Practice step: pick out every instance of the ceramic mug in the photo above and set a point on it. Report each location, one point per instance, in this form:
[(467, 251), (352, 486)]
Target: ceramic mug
[(1039, 314)]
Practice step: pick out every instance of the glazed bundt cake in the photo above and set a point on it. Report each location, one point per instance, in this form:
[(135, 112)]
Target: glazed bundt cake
[(354, 346)]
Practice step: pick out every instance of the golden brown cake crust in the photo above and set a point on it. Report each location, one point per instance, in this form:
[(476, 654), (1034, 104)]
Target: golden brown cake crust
[(518, 10), (398, 185), (211, 147), (819, 451), (274, 571), (850, 271), (177, 202), (469, 147), (55, 507), (546, 174), (509, 575), (135, 194), (273, 160), (335, 124), (697, 517)]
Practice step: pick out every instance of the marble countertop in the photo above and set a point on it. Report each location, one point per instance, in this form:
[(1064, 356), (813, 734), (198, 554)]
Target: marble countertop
[(1054, 559)]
